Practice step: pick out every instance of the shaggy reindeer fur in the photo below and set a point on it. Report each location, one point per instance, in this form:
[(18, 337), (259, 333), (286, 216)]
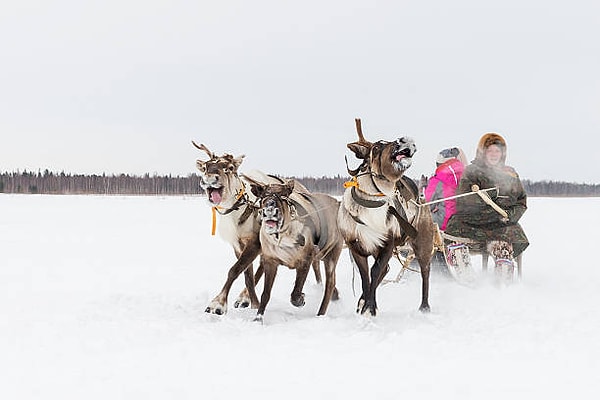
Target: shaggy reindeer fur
[(296, 227), (376, 216)]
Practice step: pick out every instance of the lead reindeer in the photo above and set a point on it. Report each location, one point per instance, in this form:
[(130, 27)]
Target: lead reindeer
[(297, 227), (239, 223), (379, 212)]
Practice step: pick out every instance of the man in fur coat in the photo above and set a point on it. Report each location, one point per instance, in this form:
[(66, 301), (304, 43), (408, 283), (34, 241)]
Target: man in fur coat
[(477, 220)]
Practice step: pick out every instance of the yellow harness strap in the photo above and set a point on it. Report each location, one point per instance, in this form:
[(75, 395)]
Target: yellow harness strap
[(214, 221), (354, 183), (351, 183)]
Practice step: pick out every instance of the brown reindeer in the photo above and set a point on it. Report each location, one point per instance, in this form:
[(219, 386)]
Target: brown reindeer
[(238, 225), (379, 212), (297, 227)]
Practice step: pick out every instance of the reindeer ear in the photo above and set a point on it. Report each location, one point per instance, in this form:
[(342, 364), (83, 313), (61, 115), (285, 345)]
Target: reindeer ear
[(360, 149), (289, 187), (237, 161), (257, 189), (376, 149), (201, 165)]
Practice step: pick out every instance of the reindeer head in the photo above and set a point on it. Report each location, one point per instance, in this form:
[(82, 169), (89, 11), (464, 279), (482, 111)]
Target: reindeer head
[(275, 205), (219, 175), (382, 158)]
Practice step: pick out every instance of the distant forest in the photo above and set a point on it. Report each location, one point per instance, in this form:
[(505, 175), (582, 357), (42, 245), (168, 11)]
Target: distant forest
[(48, 182)]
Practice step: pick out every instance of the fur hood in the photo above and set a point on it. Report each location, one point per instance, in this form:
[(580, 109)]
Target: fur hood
[(486, 141)]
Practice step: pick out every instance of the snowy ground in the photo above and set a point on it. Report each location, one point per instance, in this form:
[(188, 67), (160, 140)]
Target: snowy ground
[(104, 297)]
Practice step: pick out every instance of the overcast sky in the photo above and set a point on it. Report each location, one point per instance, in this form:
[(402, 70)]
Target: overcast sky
[(124, 86)]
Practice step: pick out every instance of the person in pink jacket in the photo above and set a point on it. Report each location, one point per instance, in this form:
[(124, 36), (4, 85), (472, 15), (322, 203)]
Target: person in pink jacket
[(450, 165)]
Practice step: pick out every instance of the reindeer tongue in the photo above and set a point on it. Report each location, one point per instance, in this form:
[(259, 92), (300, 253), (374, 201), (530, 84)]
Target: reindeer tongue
[(400, 157), (215, 196)]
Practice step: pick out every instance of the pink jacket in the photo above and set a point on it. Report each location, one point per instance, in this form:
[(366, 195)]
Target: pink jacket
[(441, 185)]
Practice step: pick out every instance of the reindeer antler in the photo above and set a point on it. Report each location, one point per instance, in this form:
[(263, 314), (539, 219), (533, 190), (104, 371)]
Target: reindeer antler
[(360, 149), (361, 137), (204, 149)]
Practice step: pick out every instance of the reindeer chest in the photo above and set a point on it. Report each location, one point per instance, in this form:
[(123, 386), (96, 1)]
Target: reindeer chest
[(233, 229), (289, 248)]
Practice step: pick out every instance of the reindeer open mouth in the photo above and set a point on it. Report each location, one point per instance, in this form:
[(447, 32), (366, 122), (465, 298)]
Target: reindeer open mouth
[(215, 194), (271, 217), (402, 154)]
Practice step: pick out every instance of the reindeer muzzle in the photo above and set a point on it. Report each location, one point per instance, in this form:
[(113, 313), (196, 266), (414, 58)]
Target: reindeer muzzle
[(271, 217)]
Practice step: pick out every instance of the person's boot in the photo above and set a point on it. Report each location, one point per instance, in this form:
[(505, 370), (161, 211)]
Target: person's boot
[(502, 253), (459, 263)]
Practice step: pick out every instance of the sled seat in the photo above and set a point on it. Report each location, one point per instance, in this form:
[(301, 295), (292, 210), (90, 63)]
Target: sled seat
[(479, 248)]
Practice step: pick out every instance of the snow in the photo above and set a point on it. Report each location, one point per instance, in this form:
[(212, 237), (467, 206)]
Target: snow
[(104, 297)]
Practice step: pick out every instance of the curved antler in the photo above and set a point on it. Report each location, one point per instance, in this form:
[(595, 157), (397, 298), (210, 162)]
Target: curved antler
[(204, 149)]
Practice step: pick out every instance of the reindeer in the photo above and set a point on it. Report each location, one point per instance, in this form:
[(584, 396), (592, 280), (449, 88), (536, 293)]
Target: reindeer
[(297, 227), (239, 226), (379, 212)]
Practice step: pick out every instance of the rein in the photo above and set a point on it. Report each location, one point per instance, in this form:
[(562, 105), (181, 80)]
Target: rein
[(474, 190), (455, 197)]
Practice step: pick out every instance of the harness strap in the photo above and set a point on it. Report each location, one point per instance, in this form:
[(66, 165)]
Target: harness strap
[(305, 214), (404, 224), (365, 202), (241, 199)]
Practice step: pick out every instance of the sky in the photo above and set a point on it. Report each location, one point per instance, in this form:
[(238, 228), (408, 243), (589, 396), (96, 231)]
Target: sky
[(124, 86), (98, 301)]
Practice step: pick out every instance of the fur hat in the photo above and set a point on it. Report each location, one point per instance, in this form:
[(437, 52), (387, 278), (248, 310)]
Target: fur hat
[(447, 154), (450, 154), (486, 141)]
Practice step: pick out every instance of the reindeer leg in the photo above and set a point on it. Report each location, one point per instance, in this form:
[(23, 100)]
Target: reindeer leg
[(317, 269), (330, 263), (378, 269), (270, 269), (297, 297), (424, 254), (219, 304), (362, 264), (247, 296)]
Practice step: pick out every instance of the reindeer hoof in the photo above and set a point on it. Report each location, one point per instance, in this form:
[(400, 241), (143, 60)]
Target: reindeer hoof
[(335, 295), (369, 310), (298, 301), (360, 306), (424, 308), (241, 304), (216, 308), (258, 318)]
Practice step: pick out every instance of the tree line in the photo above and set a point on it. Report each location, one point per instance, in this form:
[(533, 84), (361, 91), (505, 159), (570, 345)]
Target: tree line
[(48, 182)]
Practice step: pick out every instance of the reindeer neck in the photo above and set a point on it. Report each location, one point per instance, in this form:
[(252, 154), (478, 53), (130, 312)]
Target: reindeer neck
[(238, 193), (375, 185)]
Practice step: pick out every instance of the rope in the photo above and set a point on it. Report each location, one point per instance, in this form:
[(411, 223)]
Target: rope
[(405, 267), (453, 197)]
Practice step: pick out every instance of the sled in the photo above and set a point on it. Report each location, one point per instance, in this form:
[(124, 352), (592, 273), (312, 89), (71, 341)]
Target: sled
[(458, 267)]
